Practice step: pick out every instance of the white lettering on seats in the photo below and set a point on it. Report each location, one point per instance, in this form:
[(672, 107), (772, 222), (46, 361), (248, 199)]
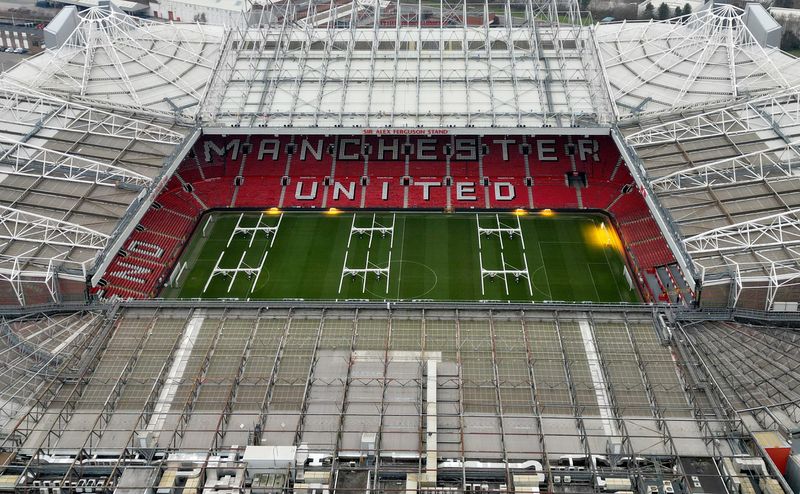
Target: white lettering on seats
[(131, 272), (146, 249)]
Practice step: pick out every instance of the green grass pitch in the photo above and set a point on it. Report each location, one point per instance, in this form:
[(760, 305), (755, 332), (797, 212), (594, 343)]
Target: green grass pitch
[(426, 256)]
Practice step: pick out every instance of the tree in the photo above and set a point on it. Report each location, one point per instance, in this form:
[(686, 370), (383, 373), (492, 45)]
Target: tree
[(649, 10), (663, 11), (678, 12), (585, 5), (789, 41), (687, 9)]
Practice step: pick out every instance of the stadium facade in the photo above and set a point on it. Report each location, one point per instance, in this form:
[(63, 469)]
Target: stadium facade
[(120, 135)]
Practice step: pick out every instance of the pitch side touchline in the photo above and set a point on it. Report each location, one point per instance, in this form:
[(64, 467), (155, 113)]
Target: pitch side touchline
[(544, 266), (593, 283), (402, 246), (614, 276)]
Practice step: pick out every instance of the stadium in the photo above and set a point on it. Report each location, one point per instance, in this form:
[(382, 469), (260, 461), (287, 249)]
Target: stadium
[(387, 246)]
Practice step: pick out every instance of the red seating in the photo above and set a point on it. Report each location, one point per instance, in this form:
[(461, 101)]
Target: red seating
[(167, 222), (471, 191), (427, 169), (215, 193), (258, 192), (181, 202), (349, 168), (630, 206), (427, 193), (499, 193), (504, 157), (428, 157), (211, 168), (653, 252), (267, 157), (386, 169), (345, 192), (641, 230), (304, 192), (155, 246), (388, 161), (599, 195), (552, 195), (312, 157), (188, 175), (135, 274), (123, 293), (460, 168), (374, 197), (548, 157), (173, 183)]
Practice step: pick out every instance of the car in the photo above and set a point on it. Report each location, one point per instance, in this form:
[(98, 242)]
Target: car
[(20, 50), (9, 50)]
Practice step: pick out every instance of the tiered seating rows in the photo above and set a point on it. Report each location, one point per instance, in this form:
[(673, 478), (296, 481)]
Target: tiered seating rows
[(212, 182)]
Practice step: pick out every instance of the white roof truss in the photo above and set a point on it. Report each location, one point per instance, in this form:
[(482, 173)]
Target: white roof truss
[(764, 113), (389, 67), (128, 63), (776, 164), (23, 225), (24, 105), (779, 229), (769, 274), (713, 53), (31, 160)]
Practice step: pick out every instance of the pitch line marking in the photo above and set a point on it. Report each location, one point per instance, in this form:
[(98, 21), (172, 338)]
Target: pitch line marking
[(344, 268), (213, 270), (402, 247), (611, 269), (258, 274), (547, 295), (544, 266), (591, 276)]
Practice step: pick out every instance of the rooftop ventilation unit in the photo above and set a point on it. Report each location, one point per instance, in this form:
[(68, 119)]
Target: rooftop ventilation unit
[(61, 27), (765, 30)]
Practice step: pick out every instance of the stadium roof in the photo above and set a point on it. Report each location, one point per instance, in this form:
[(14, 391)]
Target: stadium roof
[(453, 71), (126, 63), (730, 181), (69, 173), (707, 57), (707, 113)]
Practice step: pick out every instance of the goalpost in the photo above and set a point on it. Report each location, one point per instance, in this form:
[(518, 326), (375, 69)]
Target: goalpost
[(207, 225), (175, 276), (507, 269)]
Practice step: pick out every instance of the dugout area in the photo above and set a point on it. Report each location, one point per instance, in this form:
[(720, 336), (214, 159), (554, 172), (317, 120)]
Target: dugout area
[(336, 255)]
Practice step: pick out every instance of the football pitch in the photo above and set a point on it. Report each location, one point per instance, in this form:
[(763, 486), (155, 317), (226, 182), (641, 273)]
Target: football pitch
[(333, 255)]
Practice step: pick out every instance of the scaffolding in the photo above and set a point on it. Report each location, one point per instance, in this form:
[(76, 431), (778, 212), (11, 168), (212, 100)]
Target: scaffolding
[(507, 270), (251, 272), (252, 231), (369, 267)]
